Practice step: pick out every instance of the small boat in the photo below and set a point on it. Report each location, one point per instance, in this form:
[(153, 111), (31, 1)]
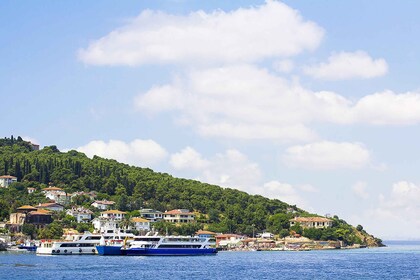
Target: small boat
[(28, 246), (162, 246), (81, 245)]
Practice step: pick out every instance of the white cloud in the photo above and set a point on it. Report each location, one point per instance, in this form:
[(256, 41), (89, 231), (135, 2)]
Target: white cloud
[(247, 102), (283, 66), (397, 213), (188, 158), (327, 155), (284, 192), (359, 189), (389, 108), (232, 169), (144, 153), (348, 65), (243, 35)]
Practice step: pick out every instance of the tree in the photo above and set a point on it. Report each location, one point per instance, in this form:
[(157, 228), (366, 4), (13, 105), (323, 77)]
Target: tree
[(29, 229)]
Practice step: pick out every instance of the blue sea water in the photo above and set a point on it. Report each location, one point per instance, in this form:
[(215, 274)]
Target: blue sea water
[(400, 260)]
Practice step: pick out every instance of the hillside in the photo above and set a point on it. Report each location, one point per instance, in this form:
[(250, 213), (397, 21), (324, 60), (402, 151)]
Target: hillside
[(221, 209)]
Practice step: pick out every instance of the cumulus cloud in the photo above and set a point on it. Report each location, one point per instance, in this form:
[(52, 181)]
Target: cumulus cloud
[(247, 102), (327, 155), (144, 153), (188, 158), (243, 35), (398, 211), (389, 108), (348, 65), (235, 170)]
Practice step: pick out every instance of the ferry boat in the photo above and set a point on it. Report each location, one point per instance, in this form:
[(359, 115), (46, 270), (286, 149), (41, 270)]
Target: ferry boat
[(82, 244), (162, 246)]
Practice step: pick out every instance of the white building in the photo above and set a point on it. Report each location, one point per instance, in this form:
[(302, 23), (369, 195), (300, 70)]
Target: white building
[(151, 215), (6, 180), (51, 206), (179, 216), (311, 222), (81, 214), (56, 194), (109, 220), (103, 204), (141, 224)]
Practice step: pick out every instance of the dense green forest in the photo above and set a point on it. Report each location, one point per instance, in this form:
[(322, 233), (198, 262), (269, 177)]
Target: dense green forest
[(132, 188)]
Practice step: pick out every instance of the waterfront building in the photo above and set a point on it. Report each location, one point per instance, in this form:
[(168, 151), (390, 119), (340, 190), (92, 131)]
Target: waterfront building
[(205, 234), (52, 206), (179, 216), (6, 180), (141, 224), (151, 214), (109, 220), (311, 222), (81, 214)]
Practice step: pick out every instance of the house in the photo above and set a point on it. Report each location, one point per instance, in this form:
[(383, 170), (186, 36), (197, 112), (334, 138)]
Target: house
[(205, 234), (311, 222), (91, 195), (31, 190), (151, 215), (56, 194), (52, 206), (113, 214), (228, 240), (103, 204), (6, 180), (39, 218), (179, 216), (81, 214), (27, 214), (109, 220), (141, 224)]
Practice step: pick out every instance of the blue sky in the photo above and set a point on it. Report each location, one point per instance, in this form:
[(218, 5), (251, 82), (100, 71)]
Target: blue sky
[(315, 103)]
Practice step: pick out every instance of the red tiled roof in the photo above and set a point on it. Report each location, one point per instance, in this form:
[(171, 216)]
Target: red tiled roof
[(106, 202), (177, 211), (310, 219)]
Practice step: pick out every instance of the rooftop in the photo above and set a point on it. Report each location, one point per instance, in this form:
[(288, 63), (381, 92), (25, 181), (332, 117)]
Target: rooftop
[(113, 212), (8, 177), (310, 219)]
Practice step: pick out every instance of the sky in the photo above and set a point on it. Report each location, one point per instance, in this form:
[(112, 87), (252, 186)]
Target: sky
[(316, 103)]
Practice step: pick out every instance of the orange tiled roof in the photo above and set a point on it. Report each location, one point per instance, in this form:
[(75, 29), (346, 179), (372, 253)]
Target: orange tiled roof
[(52, 189), (26, 207), (205, 232), (139, 220), (113, 212), (8, 177)]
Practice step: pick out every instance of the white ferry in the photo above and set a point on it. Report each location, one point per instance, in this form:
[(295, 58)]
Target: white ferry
[(162, 246), (81, 244)]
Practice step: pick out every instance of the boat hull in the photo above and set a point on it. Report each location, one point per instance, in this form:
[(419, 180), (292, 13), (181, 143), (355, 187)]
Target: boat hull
[(168, 252), (110, 250)]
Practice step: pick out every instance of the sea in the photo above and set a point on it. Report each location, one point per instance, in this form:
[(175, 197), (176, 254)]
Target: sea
[(399, 260)]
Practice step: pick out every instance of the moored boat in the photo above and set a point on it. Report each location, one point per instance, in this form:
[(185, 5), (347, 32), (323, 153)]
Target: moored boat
[(170, 246), (81, 245)]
